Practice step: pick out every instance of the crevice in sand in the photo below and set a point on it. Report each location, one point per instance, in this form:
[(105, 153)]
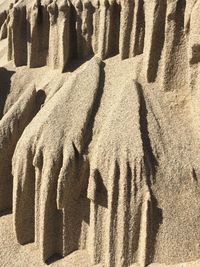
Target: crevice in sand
[(140, 29), (149, 157), (157, 41), (5, 84)]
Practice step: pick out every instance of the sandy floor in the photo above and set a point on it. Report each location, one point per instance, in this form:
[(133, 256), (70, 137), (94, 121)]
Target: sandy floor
[(12, 254)]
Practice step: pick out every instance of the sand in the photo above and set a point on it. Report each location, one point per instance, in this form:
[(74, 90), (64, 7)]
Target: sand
[(99, 133)]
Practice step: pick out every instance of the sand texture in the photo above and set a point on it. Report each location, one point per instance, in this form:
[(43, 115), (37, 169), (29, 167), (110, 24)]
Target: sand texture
[(100, 133)]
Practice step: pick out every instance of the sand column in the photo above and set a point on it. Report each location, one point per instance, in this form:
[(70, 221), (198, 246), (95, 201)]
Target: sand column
[(138, 29), (19, 35), (79, 37), (39, 35), (175, 52), (64, 33), (87, 30), (102, 29), (108, 41), (10, 37), (96, 21), (155, 13), (126, 21), (53, 34)]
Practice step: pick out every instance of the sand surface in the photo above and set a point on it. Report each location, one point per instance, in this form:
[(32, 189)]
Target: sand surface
[(13, 254), (99, 133)]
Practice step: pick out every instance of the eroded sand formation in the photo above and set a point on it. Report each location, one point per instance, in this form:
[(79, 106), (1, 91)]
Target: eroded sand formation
[(99, 131)]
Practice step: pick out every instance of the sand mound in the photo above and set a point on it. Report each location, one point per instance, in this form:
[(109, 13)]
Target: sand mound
[(99, 133)]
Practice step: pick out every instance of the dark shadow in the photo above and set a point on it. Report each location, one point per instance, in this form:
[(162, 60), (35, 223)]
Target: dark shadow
[(140, 31), (73, 36), (84, 30), (40, 99), (5, 84), (3, 16), (194, 175), (5, 212), (113, 36), (150, 160), (101, 194), (40, 12), (77, 58), (179, 22), (155, 217), (76, 63), (76, 153), (195, 54), (53, 259)]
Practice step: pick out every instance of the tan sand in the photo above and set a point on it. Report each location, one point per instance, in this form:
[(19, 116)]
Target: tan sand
[(99, 133)]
